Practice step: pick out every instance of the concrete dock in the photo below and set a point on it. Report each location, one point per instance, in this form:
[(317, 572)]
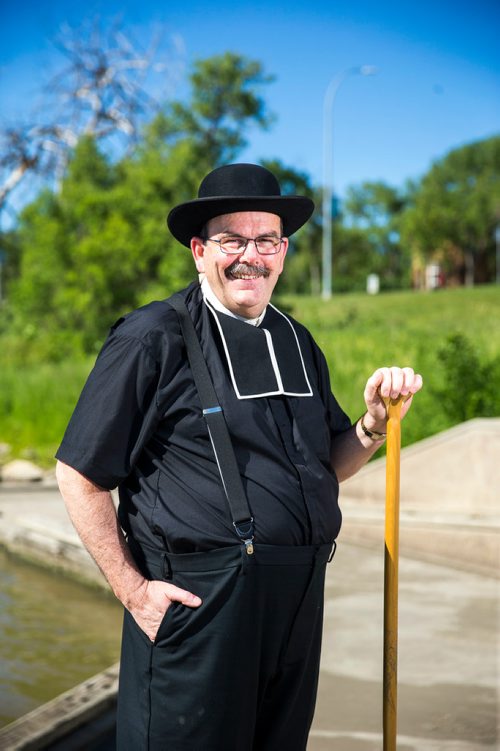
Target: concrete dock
[(449, 594)]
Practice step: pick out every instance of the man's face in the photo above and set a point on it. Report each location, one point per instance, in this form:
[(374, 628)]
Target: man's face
[(244, 282)]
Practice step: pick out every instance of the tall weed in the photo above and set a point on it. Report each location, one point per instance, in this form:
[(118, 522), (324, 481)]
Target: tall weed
[(36, 402)]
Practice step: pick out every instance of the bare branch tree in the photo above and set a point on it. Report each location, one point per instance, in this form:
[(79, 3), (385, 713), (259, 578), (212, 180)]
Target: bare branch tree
[(103, 91)]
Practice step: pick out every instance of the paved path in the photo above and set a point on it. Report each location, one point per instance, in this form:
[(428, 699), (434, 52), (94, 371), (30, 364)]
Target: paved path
[(448, 682), (448, 638)]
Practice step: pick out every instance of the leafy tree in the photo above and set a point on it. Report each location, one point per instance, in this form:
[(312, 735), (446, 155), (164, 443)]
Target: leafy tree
[(373, 204), (55, 293), (225, 98), (99, 246), (373, 212), (455, 210), (353, 259)]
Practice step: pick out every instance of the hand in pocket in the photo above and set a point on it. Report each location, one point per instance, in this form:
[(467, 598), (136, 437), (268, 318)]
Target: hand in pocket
[(154, 599)]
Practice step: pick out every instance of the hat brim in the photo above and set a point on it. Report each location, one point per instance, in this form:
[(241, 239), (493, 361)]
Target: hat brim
[(187, 220)]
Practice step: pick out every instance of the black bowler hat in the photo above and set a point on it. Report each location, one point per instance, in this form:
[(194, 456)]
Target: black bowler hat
[(238, 187)]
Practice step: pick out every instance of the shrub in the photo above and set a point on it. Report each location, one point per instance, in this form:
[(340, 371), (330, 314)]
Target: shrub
[(469, 384)]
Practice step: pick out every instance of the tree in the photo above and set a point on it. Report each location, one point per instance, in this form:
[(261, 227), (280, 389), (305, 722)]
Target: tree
[(372, 215), (455, 210), (225, 97), (99, 246), (373, 204), (102, 91)]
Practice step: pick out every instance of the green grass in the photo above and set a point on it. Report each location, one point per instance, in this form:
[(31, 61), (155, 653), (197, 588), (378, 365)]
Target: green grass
[(357, 333), (36, 402)]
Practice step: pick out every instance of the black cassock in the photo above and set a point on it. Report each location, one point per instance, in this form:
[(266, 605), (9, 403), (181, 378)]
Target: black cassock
[(138, 425), (241, 671)]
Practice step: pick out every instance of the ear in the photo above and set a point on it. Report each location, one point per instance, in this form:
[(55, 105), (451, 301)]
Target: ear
[(198, 251)]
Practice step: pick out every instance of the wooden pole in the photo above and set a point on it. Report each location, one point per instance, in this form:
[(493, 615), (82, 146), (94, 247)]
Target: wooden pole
[(391, 559)]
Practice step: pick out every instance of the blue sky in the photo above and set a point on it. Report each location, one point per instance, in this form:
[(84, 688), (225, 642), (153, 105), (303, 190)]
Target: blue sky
[(437, 86)]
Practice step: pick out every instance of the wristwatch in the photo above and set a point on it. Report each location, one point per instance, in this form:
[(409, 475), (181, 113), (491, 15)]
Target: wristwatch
[(373, 434)]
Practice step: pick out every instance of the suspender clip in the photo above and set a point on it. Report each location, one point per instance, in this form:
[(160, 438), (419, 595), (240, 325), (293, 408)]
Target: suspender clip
[(249, 546), (244, 530)]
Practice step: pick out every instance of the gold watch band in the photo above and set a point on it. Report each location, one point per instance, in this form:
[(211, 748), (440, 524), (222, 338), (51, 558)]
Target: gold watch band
[(373, 434)]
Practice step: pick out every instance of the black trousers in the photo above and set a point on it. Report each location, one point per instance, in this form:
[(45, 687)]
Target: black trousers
[(240, 672)]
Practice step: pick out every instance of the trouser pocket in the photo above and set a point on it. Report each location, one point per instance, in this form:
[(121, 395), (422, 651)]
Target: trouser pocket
[(215, 588)]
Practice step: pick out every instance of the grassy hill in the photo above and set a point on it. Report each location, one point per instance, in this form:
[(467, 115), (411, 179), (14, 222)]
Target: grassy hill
[(357, 333)]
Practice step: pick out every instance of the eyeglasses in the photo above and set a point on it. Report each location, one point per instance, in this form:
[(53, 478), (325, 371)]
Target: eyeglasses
[(234, 244)]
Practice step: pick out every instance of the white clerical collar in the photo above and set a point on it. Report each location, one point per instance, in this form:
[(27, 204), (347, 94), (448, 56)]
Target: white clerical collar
[(214, 301), (262, 360)]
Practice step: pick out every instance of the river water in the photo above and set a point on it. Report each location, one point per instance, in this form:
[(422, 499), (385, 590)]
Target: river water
[(54, 633)]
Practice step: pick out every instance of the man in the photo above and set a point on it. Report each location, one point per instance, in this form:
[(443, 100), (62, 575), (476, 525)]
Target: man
[(222, 626)]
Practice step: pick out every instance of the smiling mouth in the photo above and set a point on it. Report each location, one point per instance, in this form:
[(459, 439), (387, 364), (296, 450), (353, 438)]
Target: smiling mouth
[(246, 271)]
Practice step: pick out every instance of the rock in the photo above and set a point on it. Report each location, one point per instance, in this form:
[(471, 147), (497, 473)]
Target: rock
[(21, 470), (29, 453), (4, 450)]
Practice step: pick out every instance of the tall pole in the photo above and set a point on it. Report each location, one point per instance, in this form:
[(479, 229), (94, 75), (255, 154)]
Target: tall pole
[(391, 573), (328, 101), (497, 242)]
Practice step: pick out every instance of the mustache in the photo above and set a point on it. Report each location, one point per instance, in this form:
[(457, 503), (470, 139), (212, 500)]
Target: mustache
[(237, 268)]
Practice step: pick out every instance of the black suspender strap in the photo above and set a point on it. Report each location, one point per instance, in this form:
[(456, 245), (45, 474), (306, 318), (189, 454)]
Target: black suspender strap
[(217, 428)]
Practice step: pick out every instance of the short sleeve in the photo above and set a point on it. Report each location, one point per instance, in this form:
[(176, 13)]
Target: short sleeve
[(116, 413)]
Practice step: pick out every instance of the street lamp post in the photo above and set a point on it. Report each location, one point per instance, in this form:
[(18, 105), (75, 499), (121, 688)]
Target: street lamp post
[(497, 257), (328, 101)]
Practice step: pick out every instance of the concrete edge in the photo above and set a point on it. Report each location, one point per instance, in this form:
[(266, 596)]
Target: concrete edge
[(484, 424), (55, 719), (53, 553)]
